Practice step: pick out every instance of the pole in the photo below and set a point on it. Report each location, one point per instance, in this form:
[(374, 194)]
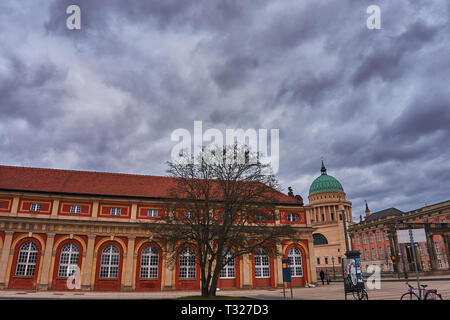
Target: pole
[(400, 252), (345, 231), (411, 239)]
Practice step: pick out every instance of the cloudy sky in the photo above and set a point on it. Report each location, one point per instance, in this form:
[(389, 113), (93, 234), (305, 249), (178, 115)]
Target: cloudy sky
[(374, 103)]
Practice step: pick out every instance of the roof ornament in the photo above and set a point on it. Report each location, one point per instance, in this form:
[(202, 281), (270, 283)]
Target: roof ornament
[(323, 169), (367, 209)]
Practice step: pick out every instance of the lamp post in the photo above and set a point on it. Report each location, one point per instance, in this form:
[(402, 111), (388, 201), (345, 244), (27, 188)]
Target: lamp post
[(334, 273)]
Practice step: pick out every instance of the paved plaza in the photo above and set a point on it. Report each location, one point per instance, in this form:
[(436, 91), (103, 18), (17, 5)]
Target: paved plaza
[(390, 290)]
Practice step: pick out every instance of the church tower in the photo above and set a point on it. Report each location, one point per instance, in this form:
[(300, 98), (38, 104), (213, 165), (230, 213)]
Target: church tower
[(328, 207)]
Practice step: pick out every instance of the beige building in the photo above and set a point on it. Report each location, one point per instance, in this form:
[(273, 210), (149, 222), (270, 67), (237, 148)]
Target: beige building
[(328, 207)]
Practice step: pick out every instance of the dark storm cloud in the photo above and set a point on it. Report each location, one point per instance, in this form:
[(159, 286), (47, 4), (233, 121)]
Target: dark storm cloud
[(374, 103)]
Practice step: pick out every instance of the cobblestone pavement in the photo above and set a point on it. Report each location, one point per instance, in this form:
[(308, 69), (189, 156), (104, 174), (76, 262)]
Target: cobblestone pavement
[(390, 290)]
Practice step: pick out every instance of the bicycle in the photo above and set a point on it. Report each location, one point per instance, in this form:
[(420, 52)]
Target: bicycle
[(428, 294)]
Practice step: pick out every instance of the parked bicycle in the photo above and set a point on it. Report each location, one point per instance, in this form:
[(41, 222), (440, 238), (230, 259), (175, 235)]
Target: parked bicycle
[(427, 294)]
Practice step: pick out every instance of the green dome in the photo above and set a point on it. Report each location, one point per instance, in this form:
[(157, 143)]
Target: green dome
[(325, 183)]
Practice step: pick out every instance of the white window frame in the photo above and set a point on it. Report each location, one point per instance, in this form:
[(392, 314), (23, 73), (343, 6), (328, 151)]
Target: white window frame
[(290, 217), (109, 263), (262, 263), (437, 248), (68, 260), (381, 252), (371, 237), (295, 262), (260, 216), (229, 269), (374, 253), (75, 208), (152, 213), (189, 214), (149, 263), (386, 233), (187, 263), (115, 211), (35, 207), (26, 260), (378, 236), (357, 240)]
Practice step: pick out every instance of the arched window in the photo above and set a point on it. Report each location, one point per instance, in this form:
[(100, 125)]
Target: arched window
[(295, 262), (109, 267), (149, 263), (188, 263), (228, 270), (26, 262), (262, 265), (68, 260), (319, 239)]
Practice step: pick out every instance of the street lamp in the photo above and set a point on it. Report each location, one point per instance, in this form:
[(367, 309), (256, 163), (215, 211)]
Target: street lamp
[(334, 273)]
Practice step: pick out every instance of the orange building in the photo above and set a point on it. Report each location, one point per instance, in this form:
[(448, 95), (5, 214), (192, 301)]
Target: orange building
[(55, 221)]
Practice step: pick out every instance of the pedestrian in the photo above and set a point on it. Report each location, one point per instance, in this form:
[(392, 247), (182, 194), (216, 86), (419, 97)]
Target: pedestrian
[(322, 276), (328, 277)]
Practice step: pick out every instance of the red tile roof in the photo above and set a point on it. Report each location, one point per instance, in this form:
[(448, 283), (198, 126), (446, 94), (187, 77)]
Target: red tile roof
[(94, 183)]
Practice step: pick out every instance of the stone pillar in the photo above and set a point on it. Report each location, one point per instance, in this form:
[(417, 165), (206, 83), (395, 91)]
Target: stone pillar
[(55, 208), (15, 206), (45, 272), (279, 266), (95, 210), (246, 284), (133, 212), (168, 271), (87, 269), (4, 258), (311, 266), (431, 251), (129, 265)]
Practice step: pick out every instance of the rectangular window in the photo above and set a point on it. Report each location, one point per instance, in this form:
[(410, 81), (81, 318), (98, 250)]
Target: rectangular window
[(35, 207), (366, 254), (436, 245), (357, 240), (380, 249), (364, 239), (318, 260), (420, 250), (423, 265), (326, 260), (153, 213), (115, 211), (388, 250), (440, 264), (75, 209), (379, 236), (386, 234), (371, 237), (374, 254)]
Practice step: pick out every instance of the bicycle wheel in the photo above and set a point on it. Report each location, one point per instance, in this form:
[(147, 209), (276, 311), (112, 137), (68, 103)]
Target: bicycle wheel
[(409, 296), (432, 296), (363, 295)]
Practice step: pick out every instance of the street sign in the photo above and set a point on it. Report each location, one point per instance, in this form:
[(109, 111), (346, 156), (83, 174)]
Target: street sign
[(287, 275), (417, 234)]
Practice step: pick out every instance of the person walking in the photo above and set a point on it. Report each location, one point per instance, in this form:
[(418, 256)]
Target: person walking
[(322, 276), (327, 275)]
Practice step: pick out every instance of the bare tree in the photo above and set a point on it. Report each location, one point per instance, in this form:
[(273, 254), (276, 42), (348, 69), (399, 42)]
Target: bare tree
[(223, 202)]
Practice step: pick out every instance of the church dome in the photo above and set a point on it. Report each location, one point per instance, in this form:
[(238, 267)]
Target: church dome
[(325, 183)]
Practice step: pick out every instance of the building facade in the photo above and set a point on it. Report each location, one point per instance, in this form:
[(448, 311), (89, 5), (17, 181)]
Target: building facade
[(376, 239), (328, 207), (55, 221)]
